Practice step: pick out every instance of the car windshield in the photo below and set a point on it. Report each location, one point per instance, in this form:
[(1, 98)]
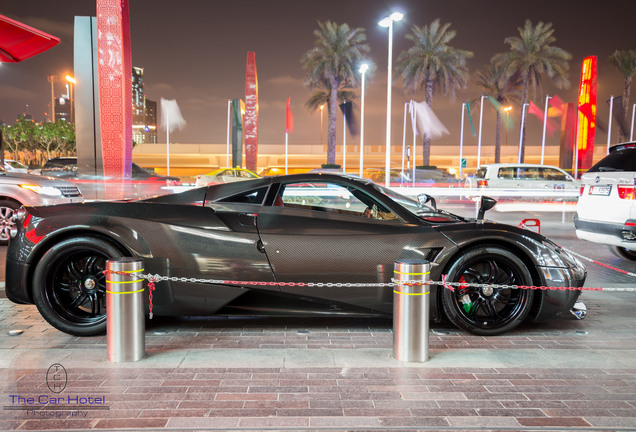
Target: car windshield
[(621, 160), (420, 210)]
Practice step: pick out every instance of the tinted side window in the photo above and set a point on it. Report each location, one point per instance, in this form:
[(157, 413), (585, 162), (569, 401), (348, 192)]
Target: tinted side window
[(506, 173), (528, 173), (552, 174), (251, 197), (622, 160), (481, 173)]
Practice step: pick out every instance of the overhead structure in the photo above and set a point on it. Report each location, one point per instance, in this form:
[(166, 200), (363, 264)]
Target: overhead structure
[(250, 127), (19, 41)]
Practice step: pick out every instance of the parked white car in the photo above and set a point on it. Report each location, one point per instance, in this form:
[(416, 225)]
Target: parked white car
[(15, 166), (606, 210), (18, 189), (521, 176)]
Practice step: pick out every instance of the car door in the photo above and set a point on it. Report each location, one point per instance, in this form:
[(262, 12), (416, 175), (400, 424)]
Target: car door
[(319, 233)]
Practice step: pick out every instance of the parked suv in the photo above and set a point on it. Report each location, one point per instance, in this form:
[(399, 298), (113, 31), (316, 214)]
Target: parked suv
[(521, 176), (18, 189), (606, 211)]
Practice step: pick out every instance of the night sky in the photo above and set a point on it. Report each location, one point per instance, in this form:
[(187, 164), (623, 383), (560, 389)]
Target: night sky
[(195, 52)]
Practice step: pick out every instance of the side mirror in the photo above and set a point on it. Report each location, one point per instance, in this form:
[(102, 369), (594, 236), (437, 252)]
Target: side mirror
[(425, 199), (485, 204)]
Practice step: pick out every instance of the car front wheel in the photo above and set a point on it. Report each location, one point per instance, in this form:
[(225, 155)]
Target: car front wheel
[(69, 286), (7, 210), (488, 311)]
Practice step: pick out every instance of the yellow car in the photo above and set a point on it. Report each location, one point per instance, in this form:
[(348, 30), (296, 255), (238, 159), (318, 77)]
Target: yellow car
[(225, 175)]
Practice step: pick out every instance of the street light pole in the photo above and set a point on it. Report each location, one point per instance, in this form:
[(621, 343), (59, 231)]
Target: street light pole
[(507, 110), (52, 79), (363, 70), (322, 108), (388, 22), (71, 82), (545, 123), (481, 116), (523, 119)]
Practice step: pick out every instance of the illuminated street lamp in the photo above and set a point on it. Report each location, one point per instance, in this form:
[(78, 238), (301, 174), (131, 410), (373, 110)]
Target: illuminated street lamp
[(388, 22), (71, 82), (363, 70)]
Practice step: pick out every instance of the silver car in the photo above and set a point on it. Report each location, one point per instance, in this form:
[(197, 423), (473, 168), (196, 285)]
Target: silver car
[(18, 189)]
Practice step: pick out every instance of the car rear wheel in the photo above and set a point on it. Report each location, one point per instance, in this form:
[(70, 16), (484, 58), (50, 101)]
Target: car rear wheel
[(488, 311), (621, 252), (7, 210), (69, 286)]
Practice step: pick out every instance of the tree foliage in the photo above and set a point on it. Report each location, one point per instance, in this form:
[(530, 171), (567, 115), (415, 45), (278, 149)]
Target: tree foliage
[(332, 67), (625, 62), (532, 54), (431, 62), (29, 138)]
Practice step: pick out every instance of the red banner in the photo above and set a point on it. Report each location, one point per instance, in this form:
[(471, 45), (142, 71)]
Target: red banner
[(115, 93)]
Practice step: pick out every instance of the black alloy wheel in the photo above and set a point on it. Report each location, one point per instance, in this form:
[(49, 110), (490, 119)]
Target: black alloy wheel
[(7, 210), (488, 311), (69, 286), (624, 253)]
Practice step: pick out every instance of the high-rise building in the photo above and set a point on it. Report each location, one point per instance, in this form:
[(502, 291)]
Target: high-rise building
[(144, 111), (63, 108)]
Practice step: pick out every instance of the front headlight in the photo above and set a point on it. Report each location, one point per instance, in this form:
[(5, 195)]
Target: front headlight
[(42, 190)]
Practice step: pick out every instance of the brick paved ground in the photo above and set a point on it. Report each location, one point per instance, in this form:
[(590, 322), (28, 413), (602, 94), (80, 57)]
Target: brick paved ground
[(335, 374)]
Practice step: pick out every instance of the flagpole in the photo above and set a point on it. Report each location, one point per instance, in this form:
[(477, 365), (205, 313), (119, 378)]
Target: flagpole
[(286, 148), (168, 142), (523, 119), (631, 133), (609, 127), (227, 158), (404, 140), (481, 112), (413, 120), (344, 138), (461, 142), (545, 123), (363, 70)]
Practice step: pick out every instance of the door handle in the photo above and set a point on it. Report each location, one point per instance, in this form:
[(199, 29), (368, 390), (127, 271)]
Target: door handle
[(260, 246), (247, 219)]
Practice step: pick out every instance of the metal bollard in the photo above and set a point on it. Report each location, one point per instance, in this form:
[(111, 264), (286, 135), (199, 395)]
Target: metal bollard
[(411, 311), (125, 320)]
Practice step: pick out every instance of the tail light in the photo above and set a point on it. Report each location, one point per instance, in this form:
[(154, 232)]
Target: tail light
[(627, 192), (482, 183), (581, 191)]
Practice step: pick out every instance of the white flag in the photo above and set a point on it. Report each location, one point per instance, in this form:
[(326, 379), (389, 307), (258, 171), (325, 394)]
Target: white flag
[(425, 121), (171, 118)]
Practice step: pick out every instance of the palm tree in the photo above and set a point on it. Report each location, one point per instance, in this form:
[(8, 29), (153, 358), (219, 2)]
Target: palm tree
[(531, 55), (432, 63), (331, 67), (321, 95), (625, 62), (504, 88)]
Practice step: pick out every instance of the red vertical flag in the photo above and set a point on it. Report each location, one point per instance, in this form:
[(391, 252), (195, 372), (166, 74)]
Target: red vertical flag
[(290, 118)]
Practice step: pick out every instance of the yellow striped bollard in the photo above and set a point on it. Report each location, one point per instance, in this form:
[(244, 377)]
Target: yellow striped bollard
[(411, 310), (125, 320)]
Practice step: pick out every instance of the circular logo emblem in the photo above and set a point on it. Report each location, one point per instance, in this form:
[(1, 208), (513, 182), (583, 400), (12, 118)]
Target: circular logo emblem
[(597, 179), (56, 378)]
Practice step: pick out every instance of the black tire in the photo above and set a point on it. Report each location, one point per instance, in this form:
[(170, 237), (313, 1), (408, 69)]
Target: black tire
[(487, 311), (7, 210), (621, 252), (69, 286)]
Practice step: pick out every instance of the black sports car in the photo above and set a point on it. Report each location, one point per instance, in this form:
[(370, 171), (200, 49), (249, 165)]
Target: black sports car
[(297, 228)]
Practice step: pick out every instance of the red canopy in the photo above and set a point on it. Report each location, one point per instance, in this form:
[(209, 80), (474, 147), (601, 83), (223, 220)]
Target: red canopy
[(19, 41)]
